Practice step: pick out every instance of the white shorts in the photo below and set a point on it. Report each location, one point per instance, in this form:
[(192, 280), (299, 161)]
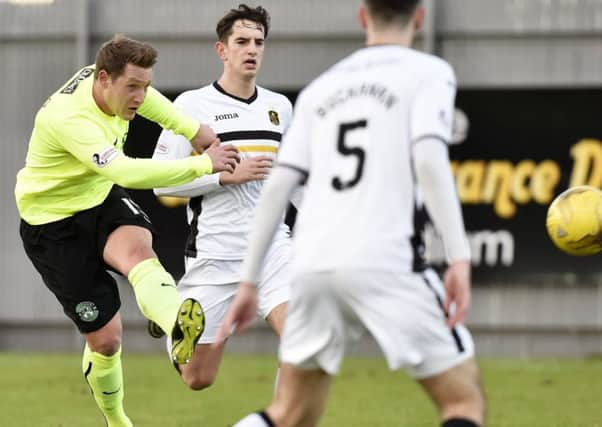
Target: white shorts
[(402, 311), (274, 288)]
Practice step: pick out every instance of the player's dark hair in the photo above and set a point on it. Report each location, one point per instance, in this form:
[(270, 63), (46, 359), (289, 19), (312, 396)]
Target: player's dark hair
[(258, 15), (114, 55), (388, 11)]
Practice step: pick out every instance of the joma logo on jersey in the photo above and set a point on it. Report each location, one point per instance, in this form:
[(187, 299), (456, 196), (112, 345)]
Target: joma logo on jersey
[(227, 116)]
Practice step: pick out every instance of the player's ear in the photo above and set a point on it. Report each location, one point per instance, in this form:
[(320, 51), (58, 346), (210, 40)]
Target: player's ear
[(418, 18), (220, 49), (362, 16), (103, 78)]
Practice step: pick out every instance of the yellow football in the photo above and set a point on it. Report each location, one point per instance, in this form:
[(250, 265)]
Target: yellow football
[(574, 221)]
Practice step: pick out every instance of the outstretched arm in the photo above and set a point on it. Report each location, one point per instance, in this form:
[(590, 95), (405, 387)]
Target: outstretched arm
[(91, 148)]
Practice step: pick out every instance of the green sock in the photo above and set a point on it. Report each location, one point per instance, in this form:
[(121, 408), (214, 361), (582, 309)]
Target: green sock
[(156, 293), (105, 378)]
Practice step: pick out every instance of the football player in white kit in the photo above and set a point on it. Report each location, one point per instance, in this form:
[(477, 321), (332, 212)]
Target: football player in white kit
[(369, 136), (220, 207)]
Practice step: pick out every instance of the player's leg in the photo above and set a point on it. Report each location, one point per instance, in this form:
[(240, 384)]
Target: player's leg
[(101, 366), (449, 372), (299, 403), (276, 317), (458, 395), (65, 254), (404, 312), (127, 248), (129, 251), (311, 350), (444, 357), (274, 290), (201, 371)]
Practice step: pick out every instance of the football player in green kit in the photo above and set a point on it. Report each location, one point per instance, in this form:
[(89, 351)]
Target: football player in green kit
[(77, 221)]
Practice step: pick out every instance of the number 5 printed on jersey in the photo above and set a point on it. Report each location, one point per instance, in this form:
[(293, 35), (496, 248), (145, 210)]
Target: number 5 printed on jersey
[(346, 150)]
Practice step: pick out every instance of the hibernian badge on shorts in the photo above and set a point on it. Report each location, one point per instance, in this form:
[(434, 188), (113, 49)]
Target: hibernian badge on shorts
[(87, 311), (274, 117)]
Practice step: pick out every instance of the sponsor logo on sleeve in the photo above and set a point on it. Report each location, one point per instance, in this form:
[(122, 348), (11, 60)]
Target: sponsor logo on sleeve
[(104, 157), (162, 148)]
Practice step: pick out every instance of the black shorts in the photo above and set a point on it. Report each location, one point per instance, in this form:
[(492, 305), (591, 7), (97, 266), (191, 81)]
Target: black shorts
[(68, 254)]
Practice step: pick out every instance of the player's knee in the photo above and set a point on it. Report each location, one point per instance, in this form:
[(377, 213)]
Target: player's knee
[(294, 413), (107, 346), (139, 252), (469, 404), (198, 380)]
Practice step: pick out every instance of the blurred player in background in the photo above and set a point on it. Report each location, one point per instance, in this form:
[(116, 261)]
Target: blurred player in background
[(370, 136), (221, 205), (78, 221)]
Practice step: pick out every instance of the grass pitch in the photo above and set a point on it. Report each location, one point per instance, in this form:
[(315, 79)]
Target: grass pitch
[(49, 390)]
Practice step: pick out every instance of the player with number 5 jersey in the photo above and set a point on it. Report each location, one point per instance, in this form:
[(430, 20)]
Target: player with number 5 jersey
[(370, 137)]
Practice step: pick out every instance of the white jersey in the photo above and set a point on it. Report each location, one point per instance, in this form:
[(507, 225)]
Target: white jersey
[(220, 217), (352, 135)]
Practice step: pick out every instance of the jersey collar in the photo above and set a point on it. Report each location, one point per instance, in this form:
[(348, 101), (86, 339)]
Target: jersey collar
[(246, 101)]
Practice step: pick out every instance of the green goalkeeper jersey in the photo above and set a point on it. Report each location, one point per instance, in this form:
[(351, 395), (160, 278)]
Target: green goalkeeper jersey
[(75, 153)]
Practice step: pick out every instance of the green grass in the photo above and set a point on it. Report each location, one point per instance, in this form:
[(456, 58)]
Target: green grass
[(48, 390)]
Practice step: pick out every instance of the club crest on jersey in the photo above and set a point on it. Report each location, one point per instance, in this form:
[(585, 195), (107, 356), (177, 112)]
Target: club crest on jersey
[(274, 117), (104, 157)]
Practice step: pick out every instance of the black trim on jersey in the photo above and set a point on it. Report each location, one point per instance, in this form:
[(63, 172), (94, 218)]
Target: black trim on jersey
[(249, 134), (195, 204), (420, 217), (88, 370), (453, 330), (266, 418), (430, 136), (417, 240), (246, 101), (296, 168)]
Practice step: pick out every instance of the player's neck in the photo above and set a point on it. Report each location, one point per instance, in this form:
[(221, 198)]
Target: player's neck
[(100, 100), (390, 36), (241, 88)]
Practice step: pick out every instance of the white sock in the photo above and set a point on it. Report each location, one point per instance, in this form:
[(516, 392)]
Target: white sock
[(255, 420)]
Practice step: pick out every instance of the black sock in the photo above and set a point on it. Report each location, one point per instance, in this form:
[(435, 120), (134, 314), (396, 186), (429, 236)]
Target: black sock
[(458, 422), (266, 418)]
